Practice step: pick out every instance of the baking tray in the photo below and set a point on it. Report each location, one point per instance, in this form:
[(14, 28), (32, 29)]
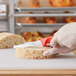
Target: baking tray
[(8, 61)]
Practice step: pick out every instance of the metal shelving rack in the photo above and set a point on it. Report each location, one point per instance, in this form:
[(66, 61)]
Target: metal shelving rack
[(13, 15), (4, 14)]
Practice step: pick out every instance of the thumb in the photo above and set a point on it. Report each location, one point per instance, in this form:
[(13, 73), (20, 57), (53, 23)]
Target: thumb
[(50, 52), (54, 42)]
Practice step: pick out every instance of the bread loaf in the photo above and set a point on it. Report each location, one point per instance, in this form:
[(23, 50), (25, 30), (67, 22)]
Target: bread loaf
[(8, 40), (32, 53)]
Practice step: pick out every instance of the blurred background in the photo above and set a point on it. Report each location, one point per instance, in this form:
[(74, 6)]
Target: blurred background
[(48, 17)]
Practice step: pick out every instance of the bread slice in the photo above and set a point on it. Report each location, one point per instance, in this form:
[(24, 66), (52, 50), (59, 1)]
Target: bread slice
[(32, 53), (8, 40)]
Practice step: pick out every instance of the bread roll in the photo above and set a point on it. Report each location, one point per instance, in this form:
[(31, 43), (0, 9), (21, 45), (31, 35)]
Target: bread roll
[(32, 36), (21, 19), (21, 3), (50, 20), (35, 3), (62, 3), (8, 40), (29, 20), (32, 53), (70, 19), (75, 52)]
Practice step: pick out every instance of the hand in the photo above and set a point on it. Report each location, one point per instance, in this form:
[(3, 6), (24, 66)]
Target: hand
[(64, 40)]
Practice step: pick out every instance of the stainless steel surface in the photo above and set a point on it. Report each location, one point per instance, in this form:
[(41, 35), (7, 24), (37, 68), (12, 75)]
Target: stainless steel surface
[(43, 15), (40, 25), (46, 9)]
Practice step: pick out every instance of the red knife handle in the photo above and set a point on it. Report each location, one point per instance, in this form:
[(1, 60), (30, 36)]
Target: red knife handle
[(47, 40)]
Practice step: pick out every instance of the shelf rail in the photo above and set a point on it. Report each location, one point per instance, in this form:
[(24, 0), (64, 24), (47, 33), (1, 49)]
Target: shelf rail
[(46, 9), (40, 25), (44, 15)]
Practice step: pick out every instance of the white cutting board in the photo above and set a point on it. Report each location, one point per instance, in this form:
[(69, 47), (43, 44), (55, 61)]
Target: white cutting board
[(8, 61)]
